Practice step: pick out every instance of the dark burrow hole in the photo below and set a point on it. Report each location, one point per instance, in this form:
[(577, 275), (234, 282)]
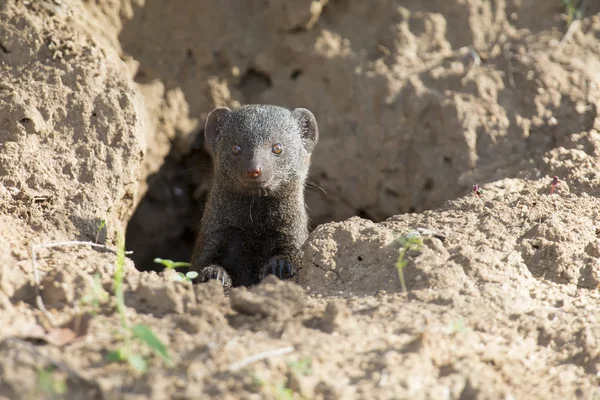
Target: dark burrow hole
[(164, 224)]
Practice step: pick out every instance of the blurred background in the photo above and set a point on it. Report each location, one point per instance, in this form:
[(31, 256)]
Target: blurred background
[(416, 101)]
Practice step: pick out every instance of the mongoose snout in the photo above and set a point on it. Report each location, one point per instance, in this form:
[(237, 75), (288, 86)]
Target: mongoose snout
[(254, 171)]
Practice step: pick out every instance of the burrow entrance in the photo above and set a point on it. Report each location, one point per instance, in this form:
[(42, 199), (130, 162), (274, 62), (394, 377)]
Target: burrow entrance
[(166, 220)]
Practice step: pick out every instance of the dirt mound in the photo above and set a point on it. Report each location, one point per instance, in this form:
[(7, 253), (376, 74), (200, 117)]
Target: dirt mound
[(102, 105), (71, 139)]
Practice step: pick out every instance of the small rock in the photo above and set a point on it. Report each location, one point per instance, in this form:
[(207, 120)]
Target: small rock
[(271, 298), (337, 317)]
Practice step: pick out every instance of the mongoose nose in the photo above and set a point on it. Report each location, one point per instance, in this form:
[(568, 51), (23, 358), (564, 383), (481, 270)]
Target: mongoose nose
[(254, 172)]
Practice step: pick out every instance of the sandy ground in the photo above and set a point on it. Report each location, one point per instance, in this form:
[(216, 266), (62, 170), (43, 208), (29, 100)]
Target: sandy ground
[(102, 104)]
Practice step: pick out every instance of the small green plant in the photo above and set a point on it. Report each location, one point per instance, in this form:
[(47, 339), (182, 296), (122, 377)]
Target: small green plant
[(139, 332), (179, 277), (409, 242), (571, 10), (97, 294), (279, 391), (100, 227), (458, 325), (49, 384), (301, 367), (172, 264)]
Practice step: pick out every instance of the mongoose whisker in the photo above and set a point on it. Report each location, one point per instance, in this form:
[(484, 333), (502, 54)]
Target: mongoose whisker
[(313, 185)]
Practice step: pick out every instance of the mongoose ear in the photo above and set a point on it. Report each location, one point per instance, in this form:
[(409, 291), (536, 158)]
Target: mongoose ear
[(212, 129), (308, 126)]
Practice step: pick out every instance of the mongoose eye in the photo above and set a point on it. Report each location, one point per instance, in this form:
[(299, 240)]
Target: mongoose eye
[(277, 148), (236, 149)]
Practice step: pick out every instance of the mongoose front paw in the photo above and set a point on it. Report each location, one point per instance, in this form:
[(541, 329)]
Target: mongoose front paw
[(280, 267), (215, 272)]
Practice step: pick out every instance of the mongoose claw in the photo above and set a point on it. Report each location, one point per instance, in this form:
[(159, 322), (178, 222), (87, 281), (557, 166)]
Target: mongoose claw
[(281, 268), (215, 272)]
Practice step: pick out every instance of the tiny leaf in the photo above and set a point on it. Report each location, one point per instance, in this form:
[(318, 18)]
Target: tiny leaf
[(166, 263), (49, 384), (137, 362), (172, 264), (192, 275), (145, 334), (116, 356), (178, 264)]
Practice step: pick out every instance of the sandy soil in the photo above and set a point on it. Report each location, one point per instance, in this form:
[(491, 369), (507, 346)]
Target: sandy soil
[(102, 104)]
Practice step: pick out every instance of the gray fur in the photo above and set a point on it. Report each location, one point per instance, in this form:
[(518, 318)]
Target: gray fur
[(253, 227)]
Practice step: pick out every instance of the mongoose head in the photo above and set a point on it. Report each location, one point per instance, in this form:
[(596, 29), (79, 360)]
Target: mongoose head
[(260, 146)]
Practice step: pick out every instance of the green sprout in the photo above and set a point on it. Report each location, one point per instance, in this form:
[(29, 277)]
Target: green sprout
[(301, 367), (570, 8), (49, 384), (98, 294), (281, 391), (172, 264), (179, 277), (140, 332), (410, 242), (100, 227), (457, 325)]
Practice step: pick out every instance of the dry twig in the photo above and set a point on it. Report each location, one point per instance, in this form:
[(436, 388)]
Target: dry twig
[(260, 356)]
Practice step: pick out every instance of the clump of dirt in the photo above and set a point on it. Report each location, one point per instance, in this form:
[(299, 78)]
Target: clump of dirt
[(274, 299), (101, 113)]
